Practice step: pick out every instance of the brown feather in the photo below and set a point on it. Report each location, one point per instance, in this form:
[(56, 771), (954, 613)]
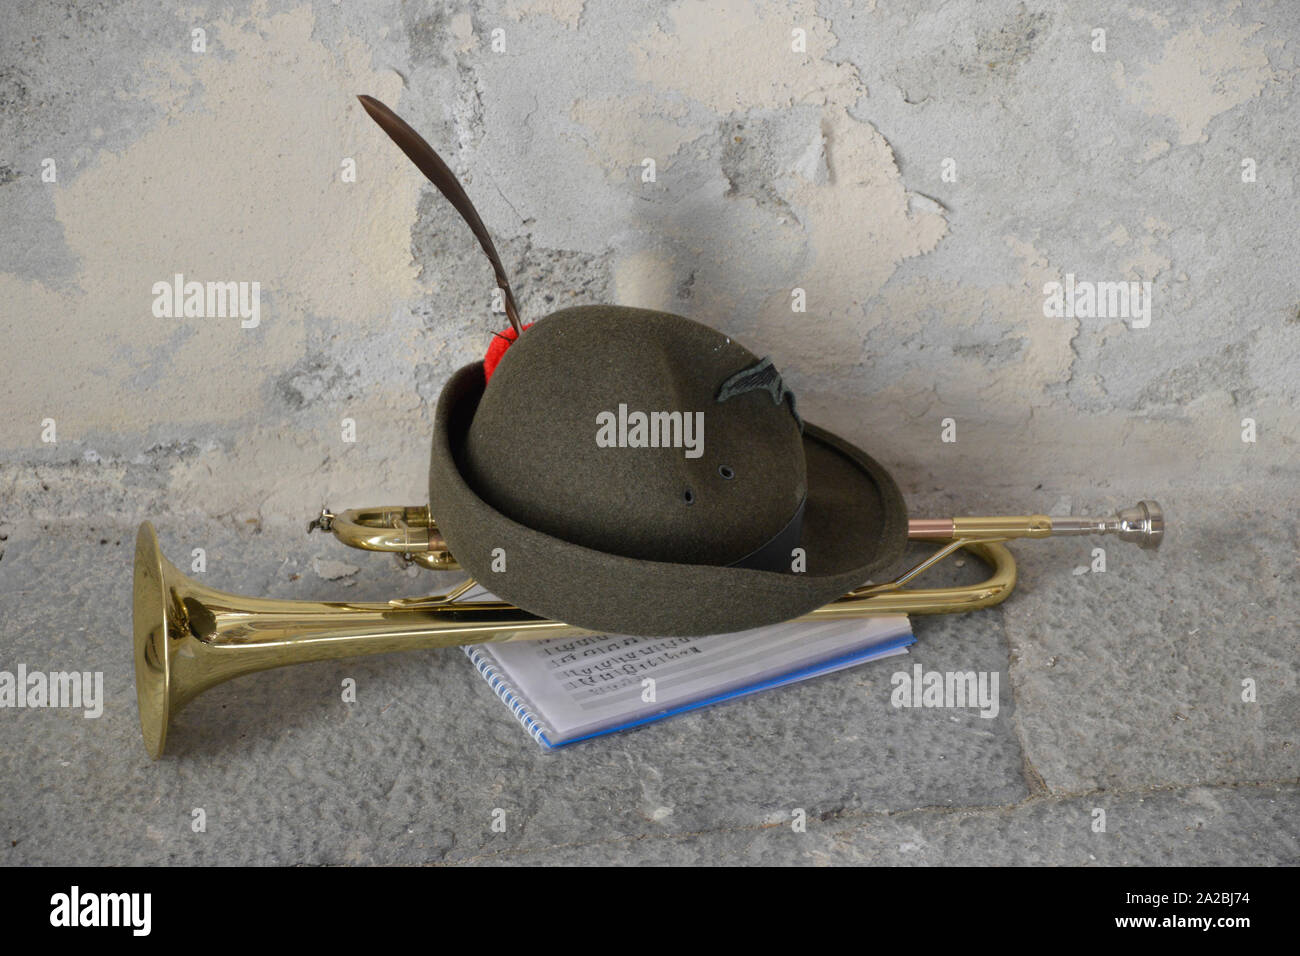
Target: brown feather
[(440, 174)]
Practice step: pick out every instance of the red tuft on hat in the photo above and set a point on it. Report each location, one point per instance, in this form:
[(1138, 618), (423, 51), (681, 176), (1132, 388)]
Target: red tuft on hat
[(500, 342)]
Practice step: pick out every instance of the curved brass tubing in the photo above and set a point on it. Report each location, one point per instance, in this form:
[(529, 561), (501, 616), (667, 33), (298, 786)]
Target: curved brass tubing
[(407, 530)]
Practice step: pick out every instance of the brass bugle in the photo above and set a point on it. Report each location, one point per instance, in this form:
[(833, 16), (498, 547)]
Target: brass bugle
[(189, 637)]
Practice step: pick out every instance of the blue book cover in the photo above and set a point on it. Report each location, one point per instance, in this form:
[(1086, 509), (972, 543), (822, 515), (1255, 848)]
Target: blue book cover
[(566, 690)]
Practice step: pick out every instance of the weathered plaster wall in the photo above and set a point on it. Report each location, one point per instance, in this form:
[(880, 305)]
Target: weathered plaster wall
[(821, 170), (1121, 691)]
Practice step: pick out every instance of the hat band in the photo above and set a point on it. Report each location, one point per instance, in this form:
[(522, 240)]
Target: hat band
[(774, 554)]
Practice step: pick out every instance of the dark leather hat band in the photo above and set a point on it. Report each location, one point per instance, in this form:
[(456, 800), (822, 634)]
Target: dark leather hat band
[(774, 555)]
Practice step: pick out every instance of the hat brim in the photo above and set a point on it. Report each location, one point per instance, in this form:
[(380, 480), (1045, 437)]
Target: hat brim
[(855, 523)]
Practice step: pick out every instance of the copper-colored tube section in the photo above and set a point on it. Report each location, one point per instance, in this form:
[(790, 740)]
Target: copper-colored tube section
[(931, 529)]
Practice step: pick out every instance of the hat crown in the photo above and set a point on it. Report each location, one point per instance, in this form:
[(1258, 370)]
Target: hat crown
[(608, 427)]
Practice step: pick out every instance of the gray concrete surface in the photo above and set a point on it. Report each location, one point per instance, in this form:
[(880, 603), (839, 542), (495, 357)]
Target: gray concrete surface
[(823, 170), (1108, 700)]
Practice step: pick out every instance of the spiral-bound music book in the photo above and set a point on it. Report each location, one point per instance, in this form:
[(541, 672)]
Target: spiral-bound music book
[(565, 690)]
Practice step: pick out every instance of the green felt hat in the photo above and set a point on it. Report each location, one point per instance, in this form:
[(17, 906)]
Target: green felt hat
[(634, 472), (770, 520)]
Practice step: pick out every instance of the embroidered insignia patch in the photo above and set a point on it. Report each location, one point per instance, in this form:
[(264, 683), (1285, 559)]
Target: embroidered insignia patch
[(762, 376)]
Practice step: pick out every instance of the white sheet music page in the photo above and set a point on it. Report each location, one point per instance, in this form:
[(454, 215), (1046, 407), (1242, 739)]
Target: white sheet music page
[(576, 687)]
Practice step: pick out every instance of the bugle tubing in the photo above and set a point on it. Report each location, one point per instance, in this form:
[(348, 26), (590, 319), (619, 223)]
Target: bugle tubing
[(189, 637)]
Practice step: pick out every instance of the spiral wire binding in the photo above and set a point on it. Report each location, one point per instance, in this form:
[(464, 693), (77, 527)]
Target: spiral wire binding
[(502, 689)]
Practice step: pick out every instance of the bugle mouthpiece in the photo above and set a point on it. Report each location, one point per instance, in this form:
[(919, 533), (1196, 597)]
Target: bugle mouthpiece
[(1143, 525)]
